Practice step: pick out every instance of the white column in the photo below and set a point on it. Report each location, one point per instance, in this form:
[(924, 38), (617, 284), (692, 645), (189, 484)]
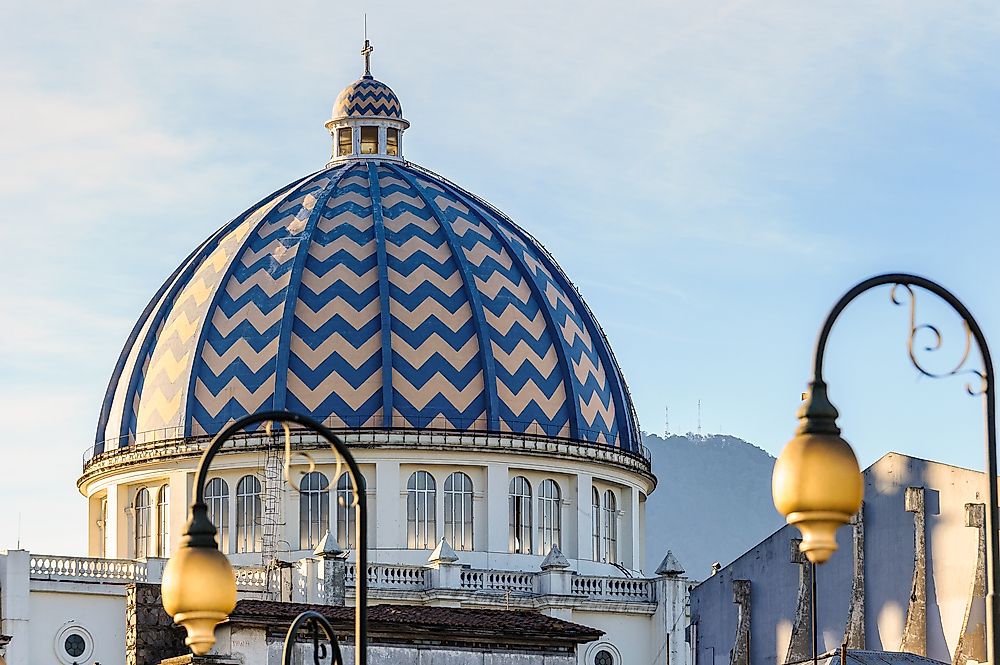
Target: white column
[(631, 557), (387, 506), (118, 523), (497, 482), (584, 518), (181, 490)]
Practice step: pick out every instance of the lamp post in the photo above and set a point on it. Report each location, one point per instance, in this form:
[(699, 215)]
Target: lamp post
[(199, 585), (817, 484)]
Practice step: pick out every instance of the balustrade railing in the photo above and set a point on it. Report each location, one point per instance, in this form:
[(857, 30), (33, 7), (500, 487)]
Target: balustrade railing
[(614, 588), (387, 577), (78, 568)]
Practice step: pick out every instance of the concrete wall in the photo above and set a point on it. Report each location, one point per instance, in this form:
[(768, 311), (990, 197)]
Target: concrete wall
[(889, 556)]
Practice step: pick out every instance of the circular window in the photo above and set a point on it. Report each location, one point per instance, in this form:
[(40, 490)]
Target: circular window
[(604, 657), (73, 644)]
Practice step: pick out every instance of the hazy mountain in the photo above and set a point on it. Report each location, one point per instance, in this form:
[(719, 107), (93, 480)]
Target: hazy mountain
[(713, 501)]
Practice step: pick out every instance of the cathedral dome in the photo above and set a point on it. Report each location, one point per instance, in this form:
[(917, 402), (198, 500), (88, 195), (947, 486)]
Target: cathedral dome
[(371, 294)]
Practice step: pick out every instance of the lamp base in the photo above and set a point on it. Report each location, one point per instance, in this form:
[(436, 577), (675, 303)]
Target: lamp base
[(819, 532)]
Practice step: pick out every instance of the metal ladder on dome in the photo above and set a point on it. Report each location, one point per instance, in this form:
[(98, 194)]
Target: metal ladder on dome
[(271, 521)]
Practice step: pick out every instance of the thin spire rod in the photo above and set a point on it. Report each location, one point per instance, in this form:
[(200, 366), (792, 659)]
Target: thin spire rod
[(367, 51)]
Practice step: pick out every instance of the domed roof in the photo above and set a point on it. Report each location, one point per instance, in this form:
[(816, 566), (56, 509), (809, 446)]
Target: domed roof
[(369, 295), (367, 98)]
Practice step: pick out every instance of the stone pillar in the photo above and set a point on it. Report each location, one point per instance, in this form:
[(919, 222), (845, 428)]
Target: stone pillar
[(15, 595), (331, 572), (556, 578), (150, 633), (740, 654), (800, 643), (972, 639), (915, 633), (445, 571), (390, 531), (497, 482), (854, 632), (671, 618)]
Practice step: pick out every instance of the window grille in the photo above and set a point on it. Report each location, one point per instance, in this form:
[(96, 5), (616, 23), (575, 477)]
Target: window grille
[(610, 527), (217, 499), (142, 524), (346, 517), (595, 509), (163, 522), (550, 507)]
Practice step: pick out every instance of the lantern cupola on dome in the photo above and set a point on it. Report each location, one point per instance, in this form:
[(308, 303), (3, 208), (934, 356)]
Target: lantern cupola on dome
[(367, 120)]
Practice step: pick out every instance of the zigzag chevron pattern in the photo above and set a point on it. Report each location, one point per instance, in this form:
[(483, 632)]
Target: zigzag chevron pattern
[(367, 98), (481, 330)]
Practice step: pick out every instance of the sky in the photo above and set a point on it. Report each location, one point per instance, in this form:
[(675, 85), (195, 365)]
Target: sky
[(711, 175)]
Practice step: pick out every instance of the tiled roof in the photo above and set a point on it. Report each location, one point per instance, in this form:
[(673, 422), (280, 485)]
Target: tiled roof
[(444, 622)]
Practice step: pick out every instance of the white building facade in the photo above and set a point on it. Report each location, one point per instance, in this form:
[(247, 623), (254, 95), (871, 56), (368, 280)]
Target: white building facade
[(500, 450)]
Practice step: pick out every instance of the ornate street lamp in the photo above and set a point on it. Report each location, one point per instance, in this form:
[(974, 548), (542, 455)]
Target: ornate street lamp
[(817, 484), (199, 585)]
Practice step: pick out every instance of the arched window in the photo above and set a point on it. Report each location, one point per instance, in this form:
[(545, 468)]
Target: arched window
[(163, 522), (595, 516), (347, 519), (550, 507), (217, 498), (610, 527), (248, 514), (421, 511), (314, 509), (458, 511), (142, 523), (520, 515)]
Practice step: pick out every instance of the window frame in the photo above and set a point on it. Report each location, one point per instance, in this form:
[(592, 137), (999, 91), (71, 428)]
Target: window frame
[(459, 511), (549, 515), (249, 511), (163, 521), (610, 526), (392, 135), (314, 509), (596, 515), (341, 144), (366, 142), (143, 523), (519, 516), (217, 500), (347, 517), (421, 511)]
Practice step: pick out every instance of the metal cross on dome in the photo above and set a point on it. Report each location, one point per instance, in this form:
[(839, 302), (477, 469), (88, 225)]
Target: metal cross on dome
[(367, 52)]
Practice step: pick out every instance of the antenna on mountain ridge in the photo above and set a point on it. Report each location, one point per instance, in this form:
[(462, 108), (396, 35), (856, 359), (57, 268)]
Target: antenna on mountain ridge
[(699, 417), (666, 422)]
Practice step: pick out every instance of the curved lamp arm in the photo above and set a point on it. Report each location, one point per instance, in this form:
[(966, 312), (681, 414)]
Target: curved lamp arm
[(181, 597), (317, 621), (820, 414)]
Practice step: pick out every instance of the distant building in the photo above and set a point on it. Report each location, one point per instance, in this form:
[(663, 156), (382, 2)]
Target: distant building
[(909, 576), (499, 444)]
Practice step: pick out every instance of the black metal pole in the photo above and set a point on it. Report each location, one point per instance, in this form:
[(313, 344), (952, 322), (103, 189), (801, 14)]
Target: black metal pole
[(812, 612), (989, 405), (199, 510)]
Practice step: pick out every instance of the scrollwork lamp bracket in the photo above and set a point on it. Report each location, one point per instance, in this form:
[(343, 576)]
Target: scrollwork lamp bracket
[(820, 413)]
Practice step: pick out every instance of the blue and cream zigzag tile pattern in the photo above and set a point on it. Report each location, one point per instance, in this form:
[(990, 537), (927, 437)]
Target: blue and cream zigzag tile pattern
[(370, 295), (367, 98)]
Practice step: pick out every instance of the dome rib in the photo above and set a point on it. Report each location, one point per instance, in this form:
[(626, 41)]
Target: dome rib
[(562, 351), (482, 333), (188, 412), (292, 290), (383, 293)]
